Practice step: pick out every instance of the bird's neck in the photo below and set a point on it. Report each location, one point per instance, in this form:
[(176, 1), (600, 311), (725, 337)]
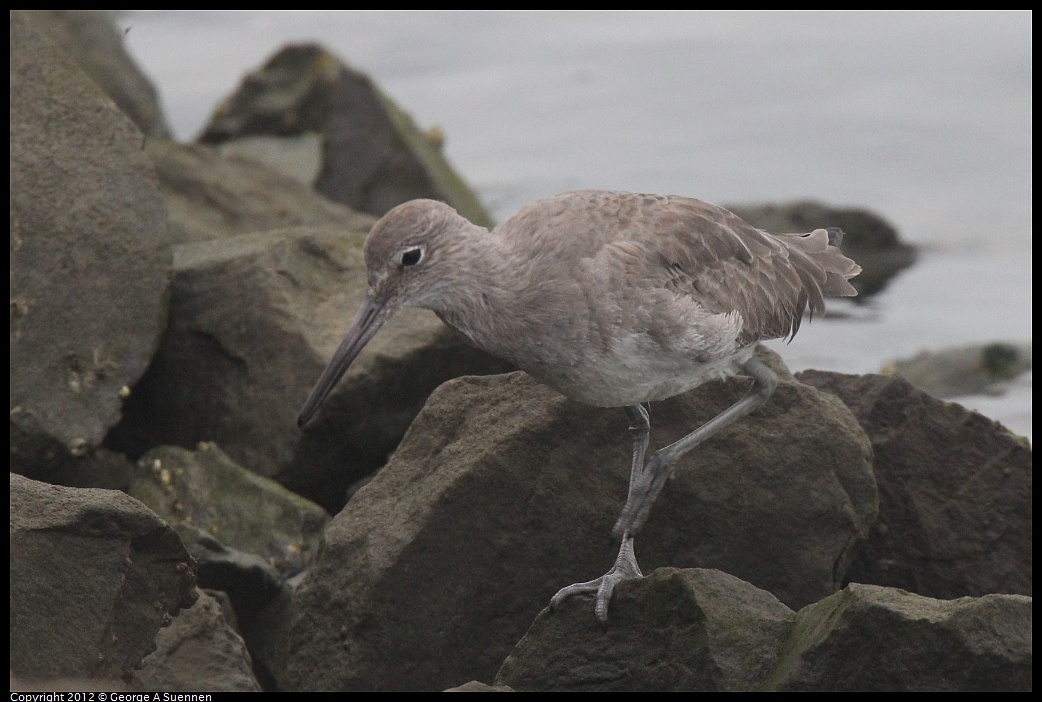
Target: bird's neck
[(485, 279)]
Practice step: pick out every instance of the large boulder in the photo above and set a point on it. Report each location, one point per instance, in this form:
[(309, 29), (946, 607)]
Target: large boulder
[(373, 155), (870, 638), (954, 492), (198, 652), (676, 630), (94, 575), (504, 491), (253, 321), (210, 196), (240, 509), (93, 39), (88, 260)]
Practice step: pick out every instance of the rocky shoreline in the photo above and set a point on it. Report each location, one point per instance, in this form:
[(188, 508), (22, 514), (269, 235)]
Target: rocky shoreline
[(172, 528)]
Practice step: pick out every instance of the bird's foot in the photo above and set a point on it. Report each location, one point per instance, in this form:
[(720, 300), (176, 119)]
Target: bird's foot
[(625, 568)]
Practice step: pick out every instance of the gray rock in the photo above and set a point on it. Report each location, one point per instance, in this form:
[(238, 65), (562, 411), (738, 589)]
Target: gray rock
[(248, 581), (210, 196), (869, 239), (255, 597), (254, 319), (100, 468), (869, 638), (967, 370), (675, 630), (503, 491), (374, 155), (94, 575), (240, 509), (94, 40), (88, 264), (299, 157), (954, 492), (267, 632), (198, 652)]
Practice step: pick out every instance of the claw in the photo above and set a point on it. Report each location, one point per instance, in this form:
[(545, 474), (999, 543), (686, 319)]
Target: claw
[(625, 568)]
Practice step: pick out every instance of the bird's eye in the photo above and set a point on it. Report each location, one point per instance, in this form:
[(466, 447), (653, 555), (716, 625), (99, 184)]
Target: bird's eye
[(410, 257)]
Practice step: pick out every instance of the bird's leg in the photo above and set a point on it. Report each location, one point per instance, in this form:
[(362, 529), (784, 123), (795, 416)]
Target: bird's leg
[(648, 482), (625, 567)]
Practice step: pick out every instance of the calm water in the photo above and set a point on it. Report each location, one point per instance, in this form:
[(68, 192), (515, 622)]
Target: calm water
[(924, 118)]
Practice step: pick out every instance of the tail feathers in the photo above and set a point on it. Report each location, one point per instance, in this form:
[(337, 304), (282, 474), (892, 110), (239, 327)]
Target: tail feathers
[(834, 269)]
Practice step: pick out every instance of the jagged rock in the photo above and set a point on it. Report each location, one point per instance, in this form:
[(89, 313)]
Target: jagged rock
[(504, 491), (248, 581), (675, 630), (240, 509), (94, 41), (253, 321), (374, 157), (954, 492), (198, 652), (869, 239), (869, 638), (210, 196), (94, 575), (88, 264)]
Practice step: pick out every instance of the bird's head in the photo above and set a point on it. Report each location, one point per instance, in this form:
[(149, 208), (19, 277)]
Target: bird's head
[(404, 257)]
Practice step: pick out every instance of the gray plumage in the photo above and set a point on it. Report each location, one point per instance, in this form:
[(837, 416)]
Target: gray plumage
[(613, 299)]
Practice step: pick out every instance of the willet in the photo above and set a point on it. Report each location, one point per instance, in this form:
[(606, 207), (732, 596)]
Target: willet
[(613, 299)]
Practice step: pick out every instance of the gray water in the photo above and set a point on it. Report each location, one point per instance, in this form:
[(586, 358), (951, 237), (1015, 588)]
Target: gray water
[(924, 118)]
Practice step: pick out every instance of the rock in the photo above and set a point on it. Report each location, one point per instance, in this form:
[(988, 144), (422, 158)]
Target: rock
[(868, 239), (267, 633), (94, 575), (374, 156), (968, 370), (253, 321), (198, 652), (869, 638), (248, 581), (88, 266), (954, 492), (210, 196), (675, 630), (504, 491), (238, 508), (299, 157), (100, 468), (95, 42)]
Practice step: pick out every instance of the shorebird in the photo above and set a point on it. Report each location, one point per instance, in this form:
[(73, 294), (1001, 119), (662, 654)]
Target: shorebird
[(613, 299)]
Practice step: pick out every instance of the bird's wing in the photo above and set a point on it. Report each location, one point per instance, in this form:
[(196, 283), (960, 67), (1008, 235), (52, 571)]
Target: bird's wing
[(707, 253)]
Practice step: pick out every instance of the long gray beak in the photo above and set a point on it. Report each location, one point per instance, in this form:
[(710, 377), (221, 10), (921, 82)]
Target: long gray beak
[(368, 321)]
